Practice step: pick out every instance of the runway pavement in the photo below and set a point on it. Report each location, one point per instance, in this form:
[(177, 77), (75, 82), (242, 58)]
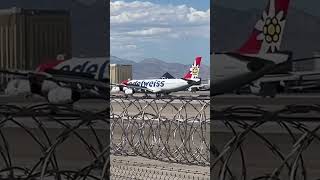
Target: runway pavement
[(200, 94), (280, 99), (130, 167), (223, 100)]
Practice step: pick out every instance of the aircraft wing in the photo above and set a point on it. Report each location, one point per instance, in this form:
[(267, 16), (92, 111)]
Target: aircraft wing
[(278, 77), (301, 87), (17, 73), (306, 75), (76, 82)]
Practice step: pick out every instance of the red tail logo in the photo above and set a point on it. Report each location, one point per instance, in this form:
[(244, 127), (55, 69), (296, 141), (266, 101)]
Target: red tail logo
[(267, 34), (194, 70)]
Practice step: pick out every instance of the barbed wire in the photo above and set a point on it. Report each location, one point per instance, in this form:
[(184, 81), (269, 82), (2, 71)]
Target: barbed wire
[(247, 142), (258, 143), (173, 130), (37, 123)]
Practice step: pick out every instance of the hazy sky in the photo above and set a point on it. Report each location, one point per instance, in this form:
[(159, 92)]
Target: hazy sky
[(309, 6), (170, 30)]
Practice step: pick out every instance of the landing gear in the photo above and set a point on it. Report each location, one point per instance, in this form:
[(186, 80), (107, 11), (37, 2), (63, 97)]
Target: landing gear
[(268, 90), (146, 95), (162, 95)]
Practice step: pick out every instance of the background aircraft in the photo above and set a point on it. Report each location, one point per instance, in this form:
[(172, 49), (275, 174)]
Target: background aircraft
[(62, 81), (162, 85), (258, 56)]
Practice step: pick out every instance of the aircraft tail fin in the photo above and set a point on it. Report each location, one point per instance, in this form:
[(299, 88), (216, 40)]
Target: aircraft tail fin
[(167, 76), (194, 70), (267, 34)]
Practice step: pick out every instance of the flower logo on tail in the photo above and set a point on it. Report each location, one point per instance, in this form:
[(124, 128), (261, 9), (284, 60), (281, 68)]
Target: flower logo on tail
[(270, 27), (195, 70)]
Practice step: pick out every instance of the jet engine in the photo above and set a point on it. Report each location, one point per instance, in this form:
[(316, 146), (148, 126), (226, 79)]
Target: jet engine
[(128, 91), (62, 95), (255, 88), (115, 89), (18, 87), (46, 86)]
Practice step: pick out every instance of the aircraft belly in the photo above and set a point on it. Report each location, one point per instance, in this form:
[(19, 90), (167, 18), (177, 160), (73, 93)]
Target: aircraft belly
[(234, 82), (175, 88)]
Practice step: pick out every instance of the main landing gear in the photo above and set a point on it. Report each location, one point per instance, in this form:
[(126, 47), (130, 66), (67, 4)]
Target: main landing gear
[(162, 95)]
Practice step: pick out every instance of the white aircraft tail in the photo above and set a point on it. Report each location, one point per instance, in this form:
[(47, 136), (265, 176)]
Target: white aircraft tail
[(267, 34), (193, 73)]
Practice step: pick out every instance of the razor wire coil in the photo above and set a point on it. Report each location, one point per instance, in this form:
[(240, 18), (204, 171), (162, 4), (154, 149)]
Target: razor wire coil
[(287, 139), (171, 130), (36, 122)]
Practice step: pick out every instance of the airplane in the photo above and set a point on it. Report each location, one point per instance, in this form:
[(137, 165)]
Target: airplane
[(258, 64), (194, 88), (291, 81), (161, 86), (258, 56), (62, 81), (201, 87)]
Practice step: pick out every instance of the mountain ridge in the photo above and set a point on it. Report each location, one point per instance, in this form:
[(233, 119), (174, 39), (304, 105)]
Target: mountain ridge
[(154, 68)]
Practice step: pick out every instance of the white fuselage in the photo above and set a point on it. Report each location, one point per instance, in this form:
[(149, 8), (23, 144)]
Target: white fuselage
[(230, 71), (225, 67), (95, 66), (161, 85)]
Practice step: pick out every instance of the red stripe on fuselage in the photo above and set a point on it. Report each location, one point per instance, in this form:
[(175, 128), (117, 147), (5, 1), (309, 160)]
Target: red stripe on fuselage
[(48, 65)]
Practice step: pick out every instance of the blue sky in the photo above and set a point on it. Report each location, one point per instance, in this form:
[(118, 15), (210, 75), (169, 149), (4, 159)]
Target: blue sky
[(170, 30)]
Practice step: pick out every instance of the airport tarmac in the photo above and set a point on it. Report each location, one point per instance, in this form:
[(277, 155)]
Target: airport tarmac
[(222, 100), (199, 94), (280, 99), (132, 167)]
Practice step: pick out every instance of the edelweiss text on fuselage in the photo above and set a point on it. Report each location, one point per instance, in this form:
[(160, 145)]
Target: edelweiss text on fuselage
[(87, 67), (154, 83)]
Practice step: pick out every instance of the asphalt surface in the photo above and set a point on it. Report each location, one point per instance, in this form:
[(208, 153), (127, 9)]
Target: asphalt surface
[(281, 99)]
